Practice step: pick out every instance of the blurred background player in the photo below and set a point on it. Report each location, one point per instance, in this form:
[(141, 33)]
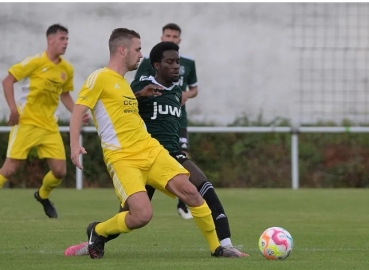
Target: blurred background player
[(161, 115), (47, 77), (188, 84)]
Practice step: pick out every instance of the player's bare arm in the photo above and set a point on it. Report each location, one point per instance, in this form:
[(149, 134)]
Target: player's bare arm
[(191, 93), (68, 102), (149, 90), (74, 128), (8, 86)]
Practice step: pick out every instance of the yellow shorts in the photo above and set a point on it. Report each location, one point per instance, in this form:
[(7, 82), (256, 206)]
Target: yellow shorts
[(131, 175), (24, 137)]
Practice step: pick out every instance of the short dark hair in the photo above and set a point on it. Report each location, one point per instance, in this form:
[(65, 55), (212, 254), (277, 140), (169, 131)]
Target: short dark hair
[(172, 26), (156, 53), (53, 29), (121, 34)]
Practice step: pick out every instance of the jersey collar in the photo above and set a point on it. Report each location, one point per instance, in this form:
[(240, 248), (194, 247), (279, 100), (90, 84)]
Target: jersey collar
[(165, 88)]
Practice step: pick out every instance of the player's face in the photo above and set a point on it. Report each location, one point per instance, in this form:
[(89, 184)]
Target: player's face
[(133, 55), (169, 66), (171, 36), (59, 42)]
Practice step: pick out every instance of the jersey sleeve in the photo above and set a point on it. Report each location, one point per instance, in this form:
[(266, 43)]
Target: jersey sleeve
[(145, 69), (140, 83), (68, 85), (192, 77), (25, 68), (91, 90)]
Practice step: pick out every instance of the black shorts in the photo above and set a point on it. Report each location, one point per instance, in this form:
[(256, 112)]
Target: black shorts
[(179, 156), (183, 140)]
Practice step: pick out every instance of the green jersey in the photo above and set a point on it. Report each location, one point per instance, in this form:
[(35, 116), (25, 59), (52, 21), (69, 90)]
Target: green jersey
[(161, 114), (187, 77)]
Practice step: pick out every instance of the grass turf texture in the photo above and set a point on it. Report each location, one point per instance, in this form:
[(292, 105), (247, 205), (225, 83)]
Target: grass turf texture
[(330, 229)]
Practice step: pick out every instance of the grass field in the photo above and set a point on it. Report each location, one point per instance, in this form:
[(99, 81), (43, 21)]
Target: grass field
[(330, 229)]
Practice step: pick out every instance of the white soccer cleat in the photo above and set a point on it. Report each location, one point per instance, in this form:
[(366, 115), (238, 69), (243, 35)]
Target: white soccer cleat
[(183, 214), (230, 252), (236, 251)]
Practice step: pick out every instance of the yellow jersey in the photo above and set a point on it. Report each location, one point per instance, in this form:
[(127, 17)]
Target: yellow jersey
[(42, 83), (114, 109)]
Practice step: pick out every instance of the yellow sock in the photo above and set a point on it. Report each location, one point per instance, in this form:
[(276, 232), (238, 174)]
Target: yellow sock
[(115, 225), (48, 184), (203, 219), (2, 180)]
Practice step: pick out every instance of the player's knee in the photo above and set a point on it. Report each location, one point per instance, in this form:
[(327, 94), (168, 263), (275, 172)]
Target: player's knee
[(142, 217), (9, 168), (189, 189), (59, 172), (7, 171)]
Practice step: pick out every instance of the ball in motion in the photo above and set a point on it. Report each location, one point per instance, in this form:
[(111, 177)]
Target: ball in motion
[(275, 243)]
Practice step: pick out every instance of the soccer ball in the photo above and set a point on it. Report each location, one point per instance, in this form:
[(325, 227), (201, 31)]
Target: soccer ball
[(275, 243)]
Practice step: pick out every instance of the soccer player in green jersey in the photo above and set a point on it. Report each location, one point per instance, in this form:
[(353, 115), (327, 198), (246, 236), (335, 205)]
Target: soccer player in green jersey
[(188, 84), (161, 115)]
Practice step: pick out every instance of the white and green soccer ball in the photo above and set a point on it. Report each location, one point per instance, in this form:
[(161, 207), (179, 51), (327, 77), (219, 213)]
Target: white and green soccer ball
[(275, 243)]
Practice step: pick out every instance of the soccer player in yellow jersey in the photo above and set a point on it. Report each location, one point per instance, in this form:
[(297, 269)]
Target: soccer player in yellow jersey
[(132, 156), (47, 77)]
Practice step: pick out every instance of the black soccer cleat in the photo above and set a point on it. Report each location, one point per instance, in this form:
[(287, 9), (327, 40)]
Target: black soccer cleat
[(222, 252), (96, 243), (49, 208)]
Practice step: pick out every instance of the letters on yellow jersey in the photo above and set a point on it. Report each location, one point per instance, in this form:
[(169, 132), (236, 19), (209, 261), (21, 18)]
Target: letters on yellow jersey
[(53, 87), (114, 108), (130, 104)]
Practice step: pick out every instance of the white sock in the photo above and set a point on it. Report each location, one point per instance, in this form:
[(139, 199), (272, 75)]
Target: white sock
[(226, 242)]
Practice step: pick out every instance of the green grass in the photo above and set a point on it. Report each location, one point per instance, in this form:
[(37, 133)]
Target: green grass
[(330, 229)]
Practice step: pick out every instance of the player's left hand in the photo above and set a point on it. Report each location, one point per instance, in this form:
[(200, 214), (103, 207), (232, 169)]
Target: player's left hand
[(75, 151), (86, 119)]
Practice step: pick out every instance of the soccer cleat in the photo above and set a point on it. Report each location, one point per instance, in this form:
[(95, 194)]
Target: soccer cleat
[(183, 212), (96, 243), (235, 250), (49, 208), (225, 253), (77, 250)]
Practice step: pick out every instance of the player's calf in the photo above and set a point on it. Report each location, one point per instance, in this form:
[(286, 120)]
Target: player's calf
[(139, 215), (184, 190), (140, 211)]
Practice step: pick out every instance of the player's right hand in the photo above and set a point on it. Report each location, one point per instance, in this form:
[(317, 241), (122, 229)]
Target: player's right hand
[(75, 152), (13, 118), (151, 90)]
